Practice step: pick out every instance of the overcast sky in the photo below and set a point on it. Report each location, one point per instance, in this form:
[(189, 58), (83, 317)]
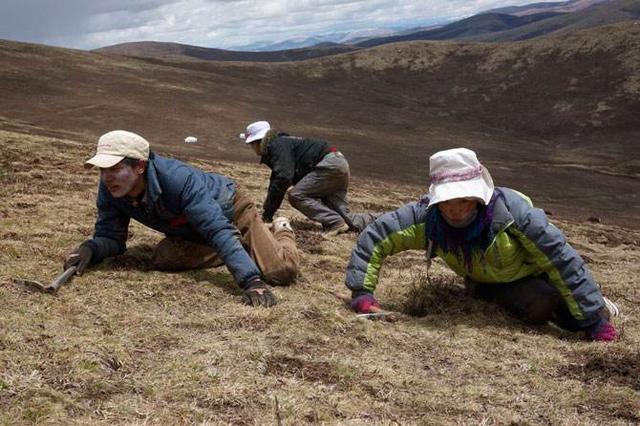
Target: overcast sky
[(226, 24)]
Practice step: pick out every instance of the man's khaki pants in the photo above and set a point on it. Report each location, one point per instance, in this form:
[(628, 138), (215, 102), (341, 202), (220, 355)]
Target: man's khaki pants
[(275, 253)]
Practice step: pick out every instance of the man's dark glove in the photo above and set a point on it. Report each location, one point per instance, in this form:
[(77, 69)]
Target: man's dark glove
[(80, 257), (258, 293)]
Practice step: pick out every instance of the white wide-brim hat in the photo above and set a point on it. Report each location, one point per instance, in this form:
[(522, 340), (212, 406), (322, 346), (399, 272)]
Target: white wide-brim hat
[(457, 173), (255, 131)]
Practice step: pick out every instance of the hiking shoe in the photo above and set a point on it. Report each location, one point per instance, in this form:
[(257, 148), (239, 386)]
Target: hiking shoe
[(341, 228), (611, 307), (280, 223)]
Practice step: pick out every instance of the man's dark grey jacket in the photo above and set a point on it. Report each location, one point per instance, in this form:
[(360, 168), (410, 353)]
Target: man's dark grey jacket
[(290, 159)]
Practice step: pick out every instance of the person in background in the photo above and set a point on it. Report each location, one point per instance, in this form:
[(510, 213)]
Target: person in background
[(506, 249), (206, 218), (318, 172)]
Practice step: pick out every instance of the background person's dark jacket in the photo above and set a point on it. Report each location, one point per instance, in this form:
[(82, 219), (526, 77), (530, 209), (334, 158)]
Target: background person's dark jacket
[(290, 159), (179, 201)]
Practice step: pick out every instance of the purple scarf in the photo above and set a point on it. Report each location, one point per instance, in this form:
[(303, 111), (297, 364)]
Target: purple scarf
[(463, 242)]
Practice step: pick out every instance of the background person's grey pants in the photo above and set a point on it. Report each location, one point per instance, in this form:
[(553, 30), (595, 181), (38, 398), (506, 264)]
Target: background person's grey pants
[(322, 194)]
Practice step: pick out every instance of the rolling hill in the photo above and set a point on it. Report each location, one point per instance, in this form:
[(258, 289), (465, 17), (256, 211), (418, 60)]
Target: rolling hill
[(603, 13), (560, 105), (561, 7), (505, 24), (526, 22), (161, 50), (466, 28)]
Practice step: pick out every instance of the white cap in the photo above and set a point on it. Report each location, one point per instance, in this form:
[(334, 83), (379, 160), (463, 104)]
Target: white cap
[(457, 173), (255, 131), (114, 146)]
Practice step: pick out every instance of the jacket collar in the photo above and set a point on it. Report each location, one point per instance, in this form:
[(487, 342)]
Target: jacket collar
[(268, 138), (153, 189), (502, 218)]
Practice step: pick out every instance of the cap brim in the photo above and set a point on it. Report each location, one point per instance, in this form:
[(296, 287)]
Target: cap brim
[(257, 136), (103, 161), (480, 189)]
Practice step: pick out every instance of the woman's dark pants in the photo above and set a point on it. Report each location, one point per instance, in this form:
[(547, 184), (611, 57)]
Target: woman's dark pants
[(534, 300)]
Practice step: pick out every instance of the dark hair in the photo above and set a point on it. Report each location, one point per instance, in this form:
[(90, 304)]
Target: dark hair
[(131, 162)]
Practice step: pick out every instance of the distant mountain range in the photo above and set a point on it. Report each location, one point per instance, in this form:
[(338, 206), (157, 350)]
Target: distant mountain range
[(526, 22), (504, 24), (600, 13), (302, 42), (562, 7), (466, 28), (454, 30)]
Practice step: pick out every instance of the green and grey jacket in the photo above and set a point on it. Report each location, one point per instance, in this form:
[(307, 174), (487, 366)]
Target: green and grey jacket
[(525, 244)]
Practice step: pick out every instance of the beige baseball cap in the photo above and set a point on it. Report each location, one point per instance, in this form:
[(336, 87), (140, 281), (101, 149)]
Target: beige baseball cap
[(114, 146)]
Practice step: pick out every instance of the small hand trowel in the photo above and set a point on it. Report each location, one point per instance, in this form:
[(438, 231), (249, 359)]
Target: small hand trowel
[(49, 288)]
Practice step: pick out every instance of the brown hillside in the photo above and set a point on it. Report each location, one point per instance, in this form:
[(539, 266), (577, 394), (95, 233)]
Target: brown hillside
[(556, 117)]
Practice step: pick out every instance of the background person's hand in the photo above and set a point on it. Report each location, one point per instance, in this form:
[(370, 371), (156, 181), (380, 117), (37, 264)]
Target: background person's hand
[(365, 303), (257, 293), (80, 258)]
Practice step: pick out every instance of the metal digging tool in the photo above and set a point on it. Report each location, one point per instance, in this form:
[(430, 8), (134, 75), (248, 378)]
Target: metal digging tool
[(55, 284)]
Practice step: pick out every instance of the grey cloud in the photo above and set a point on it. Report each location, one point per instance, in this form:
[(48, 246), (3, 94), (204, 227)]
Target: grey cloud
[(37, 20), (212, 23)]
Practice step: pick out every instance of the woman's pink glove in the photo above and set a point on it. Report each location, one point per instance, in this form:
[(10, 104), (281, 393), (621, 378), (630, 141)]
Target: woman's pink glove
[(603, 331), (365, 303)]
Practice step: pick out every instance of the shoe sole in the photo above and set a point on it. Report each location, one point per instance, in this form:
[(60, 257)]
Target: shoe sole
[(341, 230), (611, 307)]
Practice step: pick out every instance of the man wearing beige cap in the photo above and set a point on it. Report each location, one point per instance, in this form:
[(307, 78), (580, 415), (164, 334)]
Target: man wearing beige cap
[(206, 219)]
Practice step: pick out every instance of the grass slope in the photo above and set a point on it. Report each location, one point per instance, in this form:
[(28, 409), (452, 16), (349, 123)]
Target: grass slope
[(126, 345)]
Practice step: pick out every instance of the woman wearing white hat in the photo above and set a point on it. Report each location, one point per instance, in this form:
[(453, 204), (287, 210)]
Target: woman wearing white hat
[(505, 248)]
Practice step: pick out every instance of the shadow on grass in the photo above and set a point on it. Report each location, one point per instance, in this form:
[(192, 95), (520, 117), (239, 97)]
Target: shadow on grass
[(138, 258), (617, 370), (304, 225), (621, 367), (445, 297), (221, 279)]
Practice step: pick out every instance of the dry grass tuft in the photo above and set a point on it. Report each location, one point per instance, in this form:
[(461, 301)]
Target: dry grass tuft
[(124, 344), (433, 295)]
